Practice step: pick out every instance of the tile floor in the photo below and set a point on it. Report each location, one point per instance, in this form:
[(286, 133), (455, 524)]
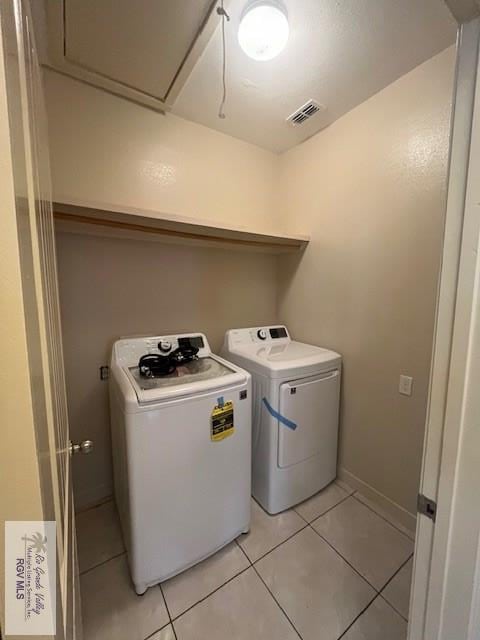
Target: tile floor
[(331, 568)]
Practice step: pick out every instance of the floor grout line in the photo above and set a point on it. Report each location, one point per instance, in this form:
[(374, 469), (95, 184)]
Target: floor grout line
[(266, 586), (397, 528), (277, 602), (165, 601), (388, 582), (250, 566), (103, 502), (168, 612), (307, 524), (392, 607), (210, 594), (156, 631), (325, 512), (397, 572), (344, 559), (378, 591), (100, 564), (243, 551), (276, 546), (358, 616)]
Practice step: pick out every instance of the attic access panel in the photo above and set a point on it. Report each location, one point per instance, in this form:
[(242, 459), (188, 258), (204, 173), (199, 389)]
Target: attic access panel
[(143, 50)]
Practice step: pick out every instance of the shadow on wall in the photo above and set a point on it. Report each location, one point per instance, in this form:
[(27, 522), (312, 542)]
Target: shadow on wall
[(111, 288)]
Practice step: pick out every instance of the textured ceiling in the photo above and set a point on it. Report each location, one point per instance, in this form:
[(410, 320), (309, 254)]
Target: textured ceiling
[(340, 52)]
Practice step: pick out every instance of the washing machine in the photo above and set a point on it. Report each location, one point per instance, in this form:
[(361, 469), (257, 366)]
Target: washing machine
[(181, 442), (296, 390)]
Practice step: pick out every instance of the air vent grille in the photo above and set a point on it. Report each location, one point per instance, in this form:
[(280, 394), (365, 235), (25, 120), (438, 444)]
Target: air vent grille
[(307, 111)]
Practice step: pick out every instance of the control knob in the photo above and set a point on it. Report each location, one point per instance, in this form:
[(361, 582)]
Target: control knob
[(262, 334), (165, 346)]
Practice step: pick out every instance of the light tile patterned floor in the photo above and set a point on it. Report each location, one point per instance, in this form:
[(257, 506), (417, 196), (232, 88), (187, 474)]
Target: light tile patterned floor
[(330, 568), (98, 535), (397, 591), (370, 544), (266, 532)]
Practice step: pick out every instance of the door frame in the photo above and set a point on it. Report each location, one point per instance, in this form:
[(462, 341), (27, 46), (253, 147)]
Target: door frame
[(35, 460), (436, 610), (19, 447), (452, 605)]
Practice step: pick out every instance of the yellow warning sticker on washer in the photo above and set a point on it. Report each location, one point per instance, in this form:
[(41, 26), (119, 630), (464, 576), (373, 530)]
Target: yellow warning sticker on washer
[(222, 421)]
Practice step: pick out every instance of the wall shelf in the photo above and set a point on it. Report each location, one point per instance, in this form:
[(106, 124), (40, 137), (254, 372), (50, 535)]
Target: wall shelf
[(126, 222)]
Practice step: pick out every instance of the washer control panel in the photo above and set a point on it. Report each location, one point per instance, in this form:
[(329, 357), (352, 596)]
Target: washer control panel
[(128, 350), (276, 334)]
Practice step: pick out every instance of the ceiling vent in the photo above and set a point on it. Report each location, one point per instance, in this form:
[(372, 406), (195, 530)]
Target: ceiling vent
[(307, 111)]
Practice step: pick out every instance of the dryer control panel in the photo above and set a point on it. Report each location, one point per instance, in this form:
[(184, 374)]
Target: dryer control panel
[(277, 334)]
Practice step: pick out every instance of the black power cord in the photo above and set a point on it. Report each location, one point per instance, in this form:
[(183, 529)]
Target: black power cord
[(155, 365)]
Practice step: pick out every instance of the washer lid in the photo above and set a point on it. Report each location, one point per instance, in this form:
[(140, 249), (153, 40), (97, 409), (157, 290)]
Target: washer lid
[(192, 377), (288, 358)]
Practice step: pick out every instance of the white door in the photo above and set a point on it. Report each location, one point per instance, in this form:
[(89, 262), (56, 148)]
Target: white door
[(311, 406), (30, 173), (444, 602)]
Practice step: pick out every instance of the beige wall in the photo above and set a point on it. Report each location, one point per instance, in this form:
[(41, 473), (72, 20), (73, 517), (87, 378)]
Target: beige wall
[(107, 149), (111, 287), (371, 191)]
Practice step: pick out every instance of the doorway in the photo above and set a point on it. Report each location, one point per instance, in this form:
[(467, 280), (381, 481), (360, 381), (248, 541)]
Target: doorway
[(264, 573)]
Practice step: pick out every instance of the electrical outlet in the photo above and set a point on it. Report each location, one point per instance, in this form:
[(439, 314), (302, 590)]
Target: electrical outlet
[(405, 385), (104, 372)]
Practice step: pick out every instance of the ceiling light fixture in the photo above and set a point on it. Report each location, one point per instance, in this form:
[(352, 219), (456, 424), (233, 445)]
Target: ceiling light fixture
[(263, 30)]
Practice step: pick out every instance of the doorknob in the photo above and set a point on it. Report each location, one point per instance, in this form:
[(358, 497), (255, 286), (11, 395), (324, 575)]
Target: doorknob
[(84, 447)]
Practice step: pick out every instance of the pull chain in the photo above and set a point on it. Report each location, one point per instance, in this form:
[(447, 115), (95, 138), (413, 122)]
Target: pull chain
[(225, 17)]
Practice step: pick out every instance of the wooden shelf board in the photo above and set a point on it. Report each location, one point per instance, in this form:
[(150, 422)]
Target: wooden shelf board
[(106, 219)]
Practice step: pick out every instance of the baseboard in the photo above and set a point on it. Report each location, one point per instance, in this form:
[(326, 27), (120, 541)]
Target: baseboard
[(377, 501), (390, 510), (86, 499)]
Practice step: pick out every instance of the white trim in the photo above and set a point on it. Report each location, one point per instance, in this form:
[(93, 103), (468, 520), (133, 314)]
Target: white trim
[(474, 625), (467, 49), (59, 61), (449, 606), (445, 592), (384, 506)]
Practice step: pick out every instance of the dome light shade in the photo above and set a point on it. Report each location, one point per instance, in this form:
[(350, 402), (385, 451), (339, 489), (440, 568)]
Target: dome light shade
[(263, 30)]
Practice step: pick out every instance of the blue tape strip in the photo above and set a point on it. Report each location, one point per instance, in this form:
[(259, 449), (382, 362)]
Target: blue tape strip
[(220, 401), (285, 421)]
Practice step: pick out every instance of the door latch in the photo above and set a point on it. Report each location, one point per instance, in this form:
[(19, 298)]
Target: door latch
[(426, 507)]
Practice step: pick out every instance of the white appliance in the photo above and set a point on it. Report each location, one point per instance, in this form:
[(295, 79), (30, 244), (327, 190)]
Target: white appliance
[(181, 455), (296, 389)]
